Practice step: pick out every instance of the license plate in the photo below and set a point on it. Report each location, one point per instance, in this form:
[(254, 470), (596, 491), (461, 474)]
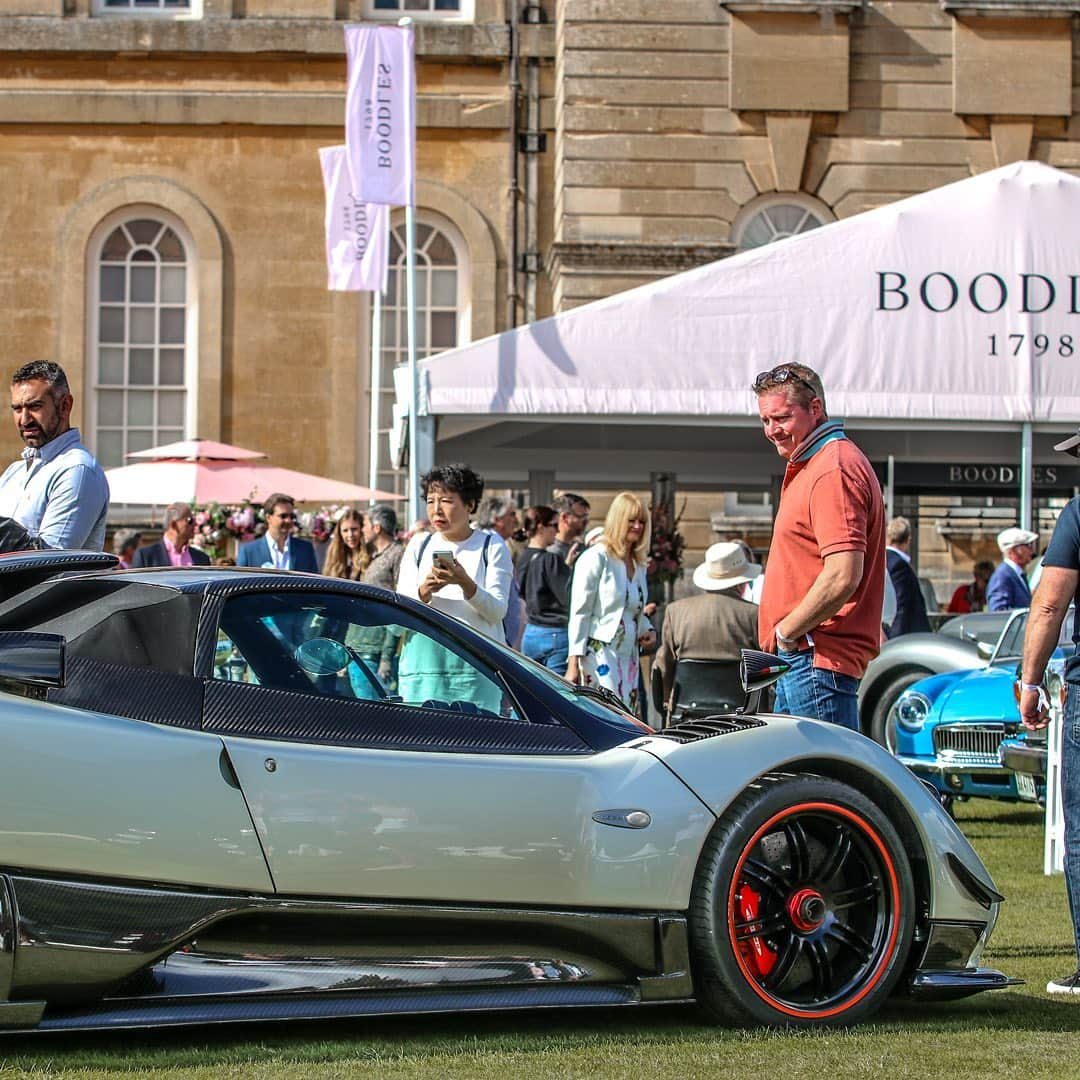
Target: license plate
[(1025, 787)]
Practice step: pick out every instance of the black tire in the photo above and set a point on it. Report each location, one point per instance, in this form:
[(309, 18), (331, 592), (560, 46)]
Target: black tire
[(879, 728), (827, 937)]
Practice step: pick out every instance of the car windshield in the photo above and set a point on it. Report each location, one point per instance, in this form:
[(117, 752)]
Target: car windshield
[(1011, 644)]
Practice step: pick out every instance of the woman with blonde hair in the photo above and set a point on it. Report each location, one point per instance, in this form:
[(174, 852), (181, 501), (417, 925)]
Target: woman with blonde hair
[(608, 625), (346, 554)]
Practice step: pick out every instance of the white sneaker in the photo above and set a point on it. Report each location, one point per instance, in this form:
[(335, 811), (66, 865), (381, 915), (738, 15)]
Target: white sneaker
[(1068, 985)]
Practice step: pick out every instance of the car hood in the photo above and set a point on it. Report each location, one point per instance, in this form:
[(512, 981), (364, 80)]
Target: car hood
[(985, 694)]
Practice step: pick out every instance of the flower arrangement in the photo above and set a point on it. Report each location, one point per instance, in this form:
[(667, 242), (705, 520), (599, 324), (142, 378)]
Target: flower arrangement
[(216, 525), (665, 563)]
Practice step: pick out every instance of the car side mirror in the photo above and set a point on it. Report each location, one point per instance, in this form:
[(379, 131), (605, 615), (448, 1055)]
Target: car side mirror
[(758, 671), (985, 649), (32, 659), (322, 656)]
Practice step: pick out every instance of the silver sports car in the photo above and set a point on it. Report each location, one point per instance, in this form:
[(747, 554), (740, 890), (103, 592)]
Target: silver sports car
[(251, 795)]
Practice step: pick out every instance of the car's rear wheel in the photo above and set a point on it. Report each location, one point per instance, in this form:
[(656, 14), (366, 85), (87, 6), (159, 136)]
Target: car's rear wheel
[(803, 906)]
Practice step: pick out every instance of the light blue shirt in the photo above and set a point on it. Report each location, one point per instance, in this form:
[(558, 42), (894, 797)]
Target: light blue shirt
[(58, 492)]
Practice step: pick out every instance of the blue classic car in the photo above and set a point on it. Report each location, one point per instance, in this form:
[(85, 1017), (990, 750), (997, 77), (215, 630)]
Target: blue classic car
[(949, 728)]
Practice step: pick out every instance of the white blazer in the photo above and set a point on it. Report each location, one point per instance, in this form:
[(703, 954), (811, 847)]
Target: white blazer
[(598, 598)]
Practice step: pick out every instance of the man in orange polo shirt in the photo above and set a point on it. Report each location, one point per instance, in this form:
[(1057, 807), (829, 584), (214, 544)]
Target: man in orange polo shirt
[(825, 580)]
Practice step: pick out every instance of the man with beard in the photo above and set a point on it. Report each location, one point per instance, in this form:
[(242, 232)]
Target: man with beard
[(56, 490)]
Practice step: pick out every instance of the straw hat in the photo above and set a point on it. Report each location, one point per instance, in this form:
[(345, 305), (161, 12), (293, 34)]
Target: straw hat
[(725, 566)]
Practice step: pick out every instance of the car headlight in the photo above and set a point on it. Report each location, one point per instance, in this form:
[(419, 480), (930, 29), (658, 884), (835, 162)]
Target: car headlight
[(912, 710)]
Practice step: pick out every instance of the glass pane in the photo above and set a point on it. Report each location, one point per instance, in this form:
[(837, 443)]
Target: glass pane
[(142, 326), (416, 5), (389, 330), (171, 408), (170, 248), (171, 365), (116, 247), (447, 5), (421, 289), (144, 232), (811, 222), (111, 324), (111, 408), (110, 449), (172, 326), (390, 297), (422, 234), (444, 288), (441, 251), (421, 330), (786, 219), (757, 233), (143, 255), (143, 284), (443, 329), (112, 284), (169, 435), (386, 5), (396, 247), (140, 440), (142, 367), (140, 408), (111, 366), (173, 284)]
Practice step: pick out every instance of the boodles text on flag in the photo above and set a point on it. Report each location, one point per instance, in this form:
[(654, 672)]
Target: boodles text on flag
[(357, 233)]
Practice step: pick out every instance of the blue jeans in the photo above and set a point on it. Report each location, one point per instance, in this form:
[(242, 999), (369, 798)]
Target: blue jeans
[(1070, 804), (816, 692), (547, 645)]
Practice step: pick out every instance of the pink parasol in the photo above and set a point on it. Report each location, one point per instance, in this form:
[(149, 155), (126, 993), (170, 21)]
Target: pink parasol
[(199, 471)]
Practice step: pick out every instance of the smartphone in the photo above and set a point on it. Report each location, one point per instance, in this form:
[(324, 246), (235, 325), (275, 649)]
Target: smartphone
[(443, 559)]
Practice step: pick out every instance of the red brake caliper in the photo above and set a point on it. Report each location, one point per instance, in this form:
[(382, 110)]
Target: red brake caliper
[(757, 954)]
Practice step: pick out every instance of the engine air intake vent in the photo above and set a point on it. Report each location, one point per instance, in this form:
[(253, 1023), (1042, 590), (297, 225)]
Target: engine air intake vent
[(710, 726)]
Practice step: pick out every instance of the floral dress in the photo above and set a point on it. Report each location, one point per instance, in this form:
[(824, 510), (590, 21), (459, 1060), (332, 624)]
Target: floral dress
[(615, 664)]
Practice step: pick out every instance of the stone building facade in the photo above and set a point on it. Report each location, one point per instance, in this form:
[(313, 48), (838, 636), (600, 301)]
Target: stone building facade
[(162, 203)]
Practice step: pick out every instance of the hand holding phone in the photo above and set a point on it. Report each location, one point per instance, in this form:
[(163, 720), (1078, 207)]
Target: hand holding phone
[(444, 560)]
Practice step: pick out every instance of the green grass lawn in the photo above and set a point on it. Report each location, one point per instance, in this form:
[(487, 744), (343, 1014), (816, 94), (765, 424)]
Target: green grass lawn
[(1020, 1032)]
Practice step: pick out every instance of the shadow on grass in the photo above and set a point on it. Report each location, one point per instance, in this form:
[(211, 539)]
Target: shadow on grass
[(424, 1037)]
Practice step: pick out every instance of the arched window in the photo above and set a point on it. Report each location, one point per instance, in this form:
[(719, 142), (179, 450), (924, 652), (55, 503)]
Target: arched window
[(141, 342), (442, 311), (775, 217)]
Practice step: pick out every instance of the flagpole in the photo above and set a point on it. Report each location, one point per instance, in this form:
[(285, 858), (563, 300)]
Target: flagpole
[(376, 390), (410, 319)]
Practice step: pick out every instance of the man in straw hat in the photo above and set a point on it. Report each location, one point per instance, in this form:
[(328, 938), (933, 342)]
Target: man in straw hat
[(718, 622), (1008, 587)]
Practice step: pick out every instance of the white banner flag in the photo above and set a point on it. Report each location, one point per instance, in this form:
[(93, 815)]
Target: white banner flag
[(380, 114), (357, 233)]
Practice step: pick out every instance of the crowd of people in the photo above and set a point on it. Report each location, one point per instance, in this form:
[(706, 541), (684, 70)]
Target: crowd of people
[(839, 580)]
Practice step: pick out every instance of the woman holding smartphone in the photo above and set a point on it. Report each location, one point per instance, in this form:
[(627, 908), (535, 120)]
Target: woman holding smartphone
[(608, 625), (462, 572)]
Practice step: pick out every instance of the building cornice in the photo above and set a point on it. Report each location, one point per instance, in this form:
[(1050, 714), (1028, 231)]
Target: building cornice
[(615, 258), (1012, 9)]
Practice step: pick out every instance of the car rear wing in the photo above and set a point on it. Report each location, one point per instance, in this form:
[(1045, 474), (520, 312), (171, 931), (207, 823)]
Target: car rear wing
[(21, 570)]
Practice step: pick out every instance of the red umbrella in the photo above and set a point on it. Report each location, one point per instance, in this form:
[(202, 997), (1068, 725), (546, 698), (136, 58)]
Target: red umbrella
[(200, 471)]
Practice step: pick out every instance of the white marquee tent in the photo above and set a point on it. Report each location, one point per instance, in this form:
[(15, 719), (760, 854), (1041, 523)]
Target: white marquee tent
[(959, 304)]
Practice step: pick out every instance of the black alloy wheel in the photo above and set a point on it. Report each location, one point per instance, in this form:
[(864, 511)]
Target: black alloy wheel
[(803, 906)]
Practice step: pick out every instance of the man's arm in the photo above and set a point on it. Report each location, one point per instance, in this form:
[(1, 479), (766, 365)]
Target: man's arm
[(76, 499), (1057, 587), (832, 588)]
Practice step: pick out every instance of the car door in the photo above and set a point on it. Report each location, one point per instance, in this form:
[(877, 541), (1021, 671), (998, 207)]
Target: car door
[(381, 788)]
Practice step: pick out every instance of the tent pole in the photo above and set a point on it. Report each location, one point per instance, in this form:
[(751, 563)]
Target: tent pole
[(376, 389), (1025, 476)]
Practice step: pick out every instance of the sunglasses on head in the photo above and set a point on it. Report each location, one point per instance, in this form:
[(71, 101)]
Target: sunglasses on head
[(779, 376)]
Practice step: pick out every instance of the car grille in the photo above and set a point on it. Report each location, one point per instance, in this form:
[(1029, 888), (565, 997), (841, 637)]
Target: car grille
[(693, 730), (972, 744)]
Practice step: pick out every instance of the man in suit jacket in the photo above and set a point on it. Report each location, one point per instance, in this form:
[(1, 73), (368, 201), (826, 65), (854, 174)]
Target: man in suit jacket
[(278, 548), (174, 548), (910, 615), (1008, 588), (716, 624)]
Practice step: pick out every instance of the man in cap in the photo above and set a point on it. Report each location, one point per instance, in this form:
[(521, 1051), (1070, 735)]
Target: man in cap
[(1058, 587), (1008, 588), (717, 623)]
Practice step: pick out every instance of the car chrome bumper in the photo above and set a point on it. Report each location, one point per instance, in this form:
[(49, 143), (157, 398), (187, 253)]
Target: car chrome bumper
[(1024, 759), (941, 766)]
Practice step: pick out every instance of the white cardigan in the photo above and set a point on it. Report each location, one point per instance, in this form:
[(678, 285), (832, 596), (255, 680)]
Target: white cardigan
[(598, 598), (485, 610)]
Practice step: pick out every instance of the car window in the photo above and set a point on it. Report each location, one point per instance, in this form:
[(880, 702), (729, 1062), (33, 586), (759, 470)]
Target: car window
[(386, 655)]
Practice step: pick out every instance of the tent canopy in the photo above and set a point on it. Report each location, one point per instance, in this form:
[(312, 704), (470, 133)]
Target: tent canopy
[(961, 304)]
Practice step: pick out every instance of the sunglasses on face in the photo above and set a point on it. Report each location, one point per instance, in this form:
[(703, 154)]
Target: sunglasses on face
[(286, 517), (779, 376)]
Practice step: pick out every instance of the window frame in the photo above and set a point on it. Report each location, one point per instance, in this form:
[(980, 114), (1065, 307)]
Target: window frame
[(749, 213), (99, 10), (467, 14), (92, 291)]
